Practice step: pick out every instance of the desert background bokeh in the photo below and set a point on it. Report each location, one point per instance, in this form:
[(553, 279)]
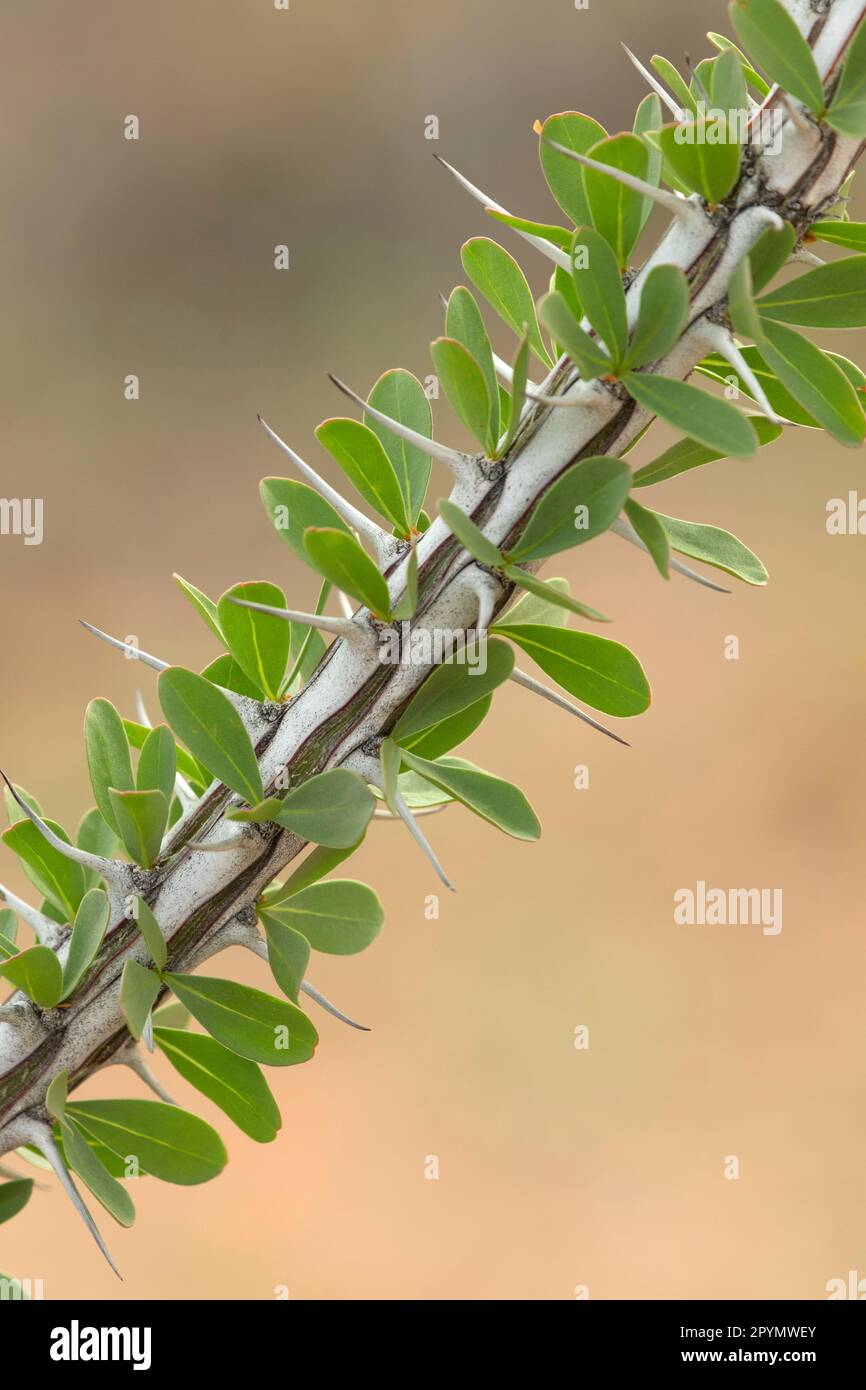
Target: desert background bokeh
[(558, 1167)]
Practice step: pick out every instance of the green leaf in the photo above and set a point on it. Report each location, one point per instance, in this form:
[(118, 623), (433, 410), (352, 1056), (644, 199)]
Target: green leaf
[(320, 861), (649, 117), (344, 562), (469, 535), (247, 1021), (741, 303), (259, 642), (816, 381), (771, 37), (680, 88), (464, 323), (225, 672), (848, 109), (172, 1015), (91, 921), (565, 176), (664, 309), (579, 505), (14, 1197), (464, 384), (54, 875), (389, 763), (14, 810), (728, 90), (517, 400), (706, 418), (448, 733), (57, 1095), (453, 687), (715, 547), (169, 1143), (531, 608), (616, 212), (341, 917), (497, 276), (186, 764), (850, 234), (687, 454), (233, 1083), (600, 291), (557, 236), (833, 296), (769, 254), (139, 988), (558, 317), (550, 594), (37, 972), (703, 155), (81, 1158), (405, 608), (8, 925), (288, 953), (157, 765), (363, 459), (500, 803), (205, 607), (755, 79), (151, 932), (108, 757), (212, 729), (293, 508), (141, 819), (333, 808), (593, 669), (400, 396), (652, 533)]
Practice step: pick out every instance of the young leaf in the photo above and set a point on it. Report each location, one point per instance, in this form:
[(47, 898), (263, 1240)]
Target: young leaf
[(652, 533), (151, 932), (593, 669), (649, 117), (294, 507), (258, 642), (715, 547), (728, 84), (332, 808), (833, 296), (157, 764), (341, 917), (464, 323), (225, 672), (771, 37), (14, 1197), (57, 1095), (599, 289), (139, 988), (680, 88), (517, 400), (550, 594), (708, 419), (616, 211), (212, 729), (704, 162), (453, 687), (343, 561), (741, 303), (400, 396), (498, 277), (578, 506), (205, 607), (82, 1159), (363, 459), (687, 454), (565, 176), (236, 1085), (755, 79), (586, 354), (557, 236), (186, 764), (850, 234), (848, 110), (141, 819), (288, 953), (469, 535), (464, 384), (37, 972), (247, 1021), (769, 254), (500, 803), (108, 757), (664, 308), (816, 381), (169, 1143), (61, 880), (91, 921)]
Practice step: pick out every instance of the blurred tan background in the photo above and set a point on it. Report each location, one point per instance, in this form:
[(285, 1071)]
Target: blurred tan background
[(558, 1167)]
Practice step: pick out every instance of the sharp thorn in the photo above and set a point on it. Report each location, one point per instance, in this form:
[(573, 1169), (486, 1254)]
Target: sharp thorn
[(552, 253), (723, 342), (458, 463), (40, 1135), (136, 1063), (683, 208), (331, 1008), (141, 712), (627, 532), (347, 609), (660, 91), (48, 932), (340, 627), (109, 869), (421, 839), (530, 683), (134, 653)]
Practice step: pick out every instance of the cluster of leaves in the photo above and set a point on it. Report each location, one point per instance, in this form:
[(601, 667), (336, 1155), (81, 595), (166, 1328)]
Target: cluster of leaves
[(266, 658)]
